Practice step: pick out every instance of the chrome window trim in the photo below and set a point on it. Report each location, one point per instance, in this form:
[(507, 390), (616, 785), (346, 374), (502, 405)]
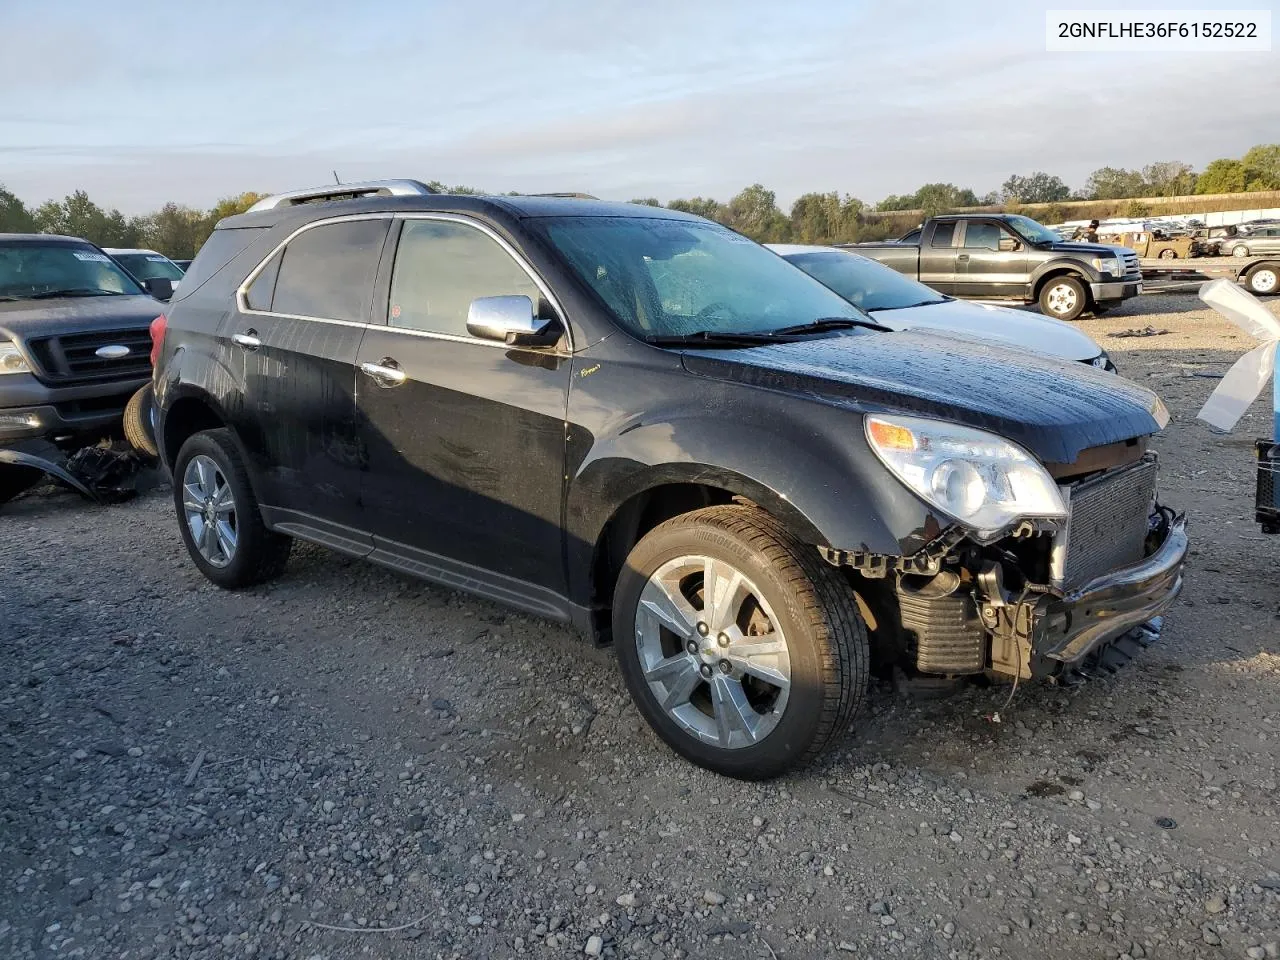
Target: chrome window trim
[(242, 303)]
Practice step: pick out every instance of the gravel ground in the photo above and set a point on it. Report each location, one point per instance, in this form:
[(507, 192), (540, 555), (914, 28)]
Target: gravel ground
[(347, 763)]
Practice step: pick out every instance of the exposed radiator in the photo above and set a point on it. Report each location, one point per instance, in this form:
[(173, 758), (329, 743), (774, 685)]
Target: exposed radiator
[(1109, 521)]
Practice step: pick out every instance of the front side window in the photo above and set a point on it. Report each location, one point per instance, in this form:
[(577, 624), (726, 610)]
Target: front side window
[(45, 270), (982, 236), (664, 277), (327, 272), (441, 266)]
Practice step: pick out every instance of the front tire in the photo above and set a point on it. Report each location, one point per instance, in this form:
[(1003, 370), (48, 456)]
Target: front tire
[(764, 674), (1264, 279), (1168, 254), (1240, 251), (1063, 298), (139, 422), (218, 514)]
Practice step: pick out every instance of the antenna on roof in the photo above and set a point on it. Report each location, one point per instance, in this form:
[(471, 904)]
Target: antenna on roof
[(335, 177)]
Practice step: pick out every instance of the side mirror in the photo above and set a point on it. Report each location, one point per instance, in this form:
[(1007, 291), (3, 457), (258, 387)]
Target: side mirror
[(509, 319), (159, 287), (1008, 245)]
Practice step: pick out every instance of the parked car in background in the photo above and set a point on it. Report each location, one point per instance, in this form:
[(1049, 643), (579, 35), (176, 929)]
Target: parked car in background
[(74, 346), (1260, 240), (144, 265), (183, 265), (901, 303), (1153, 244), (1009, 257), (643, 423)]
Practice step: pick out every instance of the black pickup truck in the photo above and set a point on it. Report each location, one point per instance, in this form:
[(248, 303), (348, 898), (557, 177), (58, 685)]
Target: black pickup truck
[(1009, 257)]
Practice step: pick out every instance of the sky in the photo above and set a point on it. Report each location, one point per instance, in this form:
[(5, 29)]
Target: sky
[(141, 102)]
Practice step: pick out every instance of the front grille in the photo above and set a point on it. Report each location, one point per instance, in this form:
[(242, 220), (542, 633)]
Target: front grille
[(1109, 521), (1132, 268), (72, 357)]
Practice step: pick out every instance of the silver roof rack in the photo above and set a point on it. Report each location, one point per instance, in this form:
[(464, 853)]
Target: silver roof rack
[(344, 191)]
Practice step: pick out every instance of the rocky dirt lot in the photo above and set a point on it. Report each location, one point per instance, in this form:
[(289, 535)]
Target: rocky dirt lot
[(350, 764)]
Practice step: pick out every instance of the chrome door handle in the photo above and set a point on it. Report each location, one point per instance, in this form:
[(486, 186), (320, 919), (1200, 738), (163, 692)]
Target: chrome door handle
[(385, 373), (247, 340), (962, 257)]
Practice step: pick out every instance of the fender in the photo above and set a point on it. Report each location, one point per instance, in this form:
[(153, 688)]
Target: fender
[(803, 460), (1060, 265)]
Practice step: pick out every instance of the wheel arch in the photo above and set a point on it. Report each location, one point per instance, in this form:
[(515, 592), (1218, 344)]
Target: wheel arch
[(1053, 272)]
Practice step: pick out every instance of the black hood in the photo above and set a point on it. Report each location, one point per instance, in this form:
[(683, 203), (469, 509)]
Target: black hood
[(1083, 249), (1054, 408), (23, 319)]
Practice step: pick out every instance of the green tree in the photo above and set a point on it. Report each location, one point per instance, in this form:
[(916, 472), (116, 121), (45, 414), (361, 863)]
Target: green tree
[(1262, 167), (14, 215), (701, 207), (826, 218), (78, 216), (647, 201), (1038, 187), (1168, 178), (230, 207), (1221, 176), (178, 231), (935, 198), (755, 213), (1137, 209), (1113, 183)]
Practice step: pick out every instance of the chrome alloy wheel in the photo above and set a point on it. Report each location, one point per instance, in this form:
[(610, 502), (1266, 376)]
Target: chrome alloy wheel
[(210, 510), (712, 652), (1062, 298)]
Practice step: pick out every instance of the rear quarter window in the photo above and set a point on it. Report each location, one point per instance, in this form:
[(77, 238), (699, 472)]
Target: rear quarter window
[(219, 250)]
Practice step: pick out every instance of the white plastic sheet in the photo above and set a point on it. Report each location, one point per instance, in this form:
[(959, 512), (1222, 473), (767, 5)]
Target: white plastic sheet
[(1248, 375)]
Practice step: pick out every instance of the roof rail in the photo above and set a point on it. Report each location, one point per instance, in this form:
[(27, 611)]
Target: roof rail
[(344, 191), (579, 196)]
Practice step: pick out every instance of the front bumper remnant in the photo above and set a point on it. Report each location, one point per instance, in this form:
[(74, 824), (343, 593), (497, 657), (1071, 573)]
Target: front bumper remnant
[(1050, 634)]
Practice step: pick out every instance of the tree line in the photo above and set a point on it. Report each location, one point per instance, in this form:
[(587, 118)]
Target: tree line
[(832, 217)]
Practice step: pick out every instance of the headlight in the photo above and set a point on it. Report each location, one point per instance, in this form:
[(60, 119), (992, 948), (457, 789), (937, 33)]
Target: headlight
[(979, 479), (11, 361), (1109, 265)]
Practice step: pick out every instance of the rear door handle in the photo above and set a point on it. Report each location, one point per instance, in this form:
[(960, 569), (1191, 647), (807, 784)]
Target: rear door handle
[(249, 339), (385, 373), (962, 257)]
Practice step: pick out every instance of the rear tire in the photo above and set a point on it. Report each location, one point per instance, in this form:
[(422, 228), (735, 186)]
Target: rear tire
[(218, 514), (1264, 279), (1063, 298), (1240, 251), (1168, 254), (139, 429), (767, 676)]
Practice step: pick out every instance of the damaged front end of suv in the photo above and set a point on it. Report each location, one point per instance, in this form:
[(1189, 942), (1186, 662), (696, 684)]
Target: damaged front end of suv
[(1038, 571)]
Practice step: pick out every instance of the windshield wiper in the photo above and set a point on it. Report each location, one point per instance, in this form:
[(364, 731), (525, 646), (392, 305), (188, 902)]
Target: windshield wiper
[(906, 306), (827, 323), (714, 338), (73, 292)]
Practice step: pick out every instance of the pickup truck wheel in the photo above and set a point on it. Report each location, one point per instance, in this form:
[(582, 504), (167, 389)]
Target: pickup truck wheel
[(219, 517), (1240, 251), (742, 649), (139, 422), (1264, 279), (1063, 298)]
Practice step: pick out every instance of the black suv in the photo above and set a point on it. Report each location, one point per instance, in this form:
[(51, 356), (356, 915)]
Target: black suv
[(74, 346), (645, 424)]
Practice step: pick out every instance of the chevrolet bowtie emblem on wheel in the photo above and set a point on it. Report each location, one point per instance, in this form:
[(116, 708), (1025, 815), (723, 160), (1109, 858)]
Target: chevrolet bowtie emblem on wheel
[(112, 352)]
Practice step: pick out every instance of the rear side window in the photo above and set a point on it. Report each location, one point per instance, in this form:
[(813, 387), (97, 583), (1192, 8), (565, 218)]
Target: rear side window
[(441, 267), (259, 294), (328, 271), (219, 250), (943, 234)]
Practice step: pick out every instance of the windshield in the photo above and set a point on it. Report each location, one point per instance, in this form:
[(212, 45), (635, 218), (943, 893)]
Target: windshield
[(35, 269), (149, 266), (869, 285), (677, 277), (1032, 230)]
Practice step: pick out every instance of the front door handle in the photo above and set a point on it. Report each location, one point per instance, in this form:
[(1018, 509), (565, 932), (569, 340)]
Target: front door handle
[(249, 339), (385, 373)]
